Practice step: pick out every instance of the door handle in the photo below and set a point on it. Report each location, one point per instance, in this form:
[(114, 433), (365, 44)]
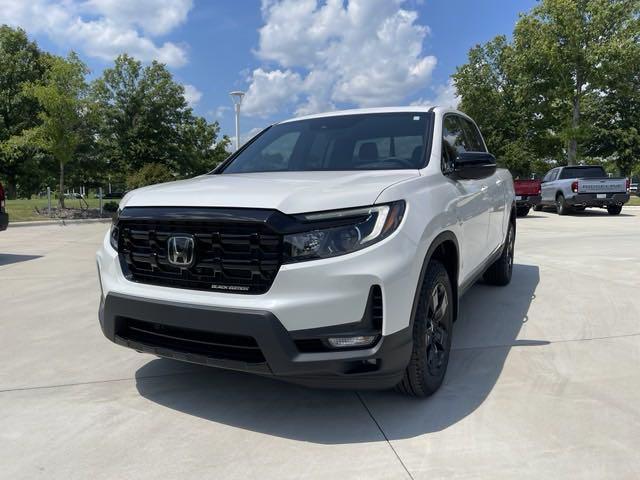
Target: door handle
[(484, 188), (498, 182)]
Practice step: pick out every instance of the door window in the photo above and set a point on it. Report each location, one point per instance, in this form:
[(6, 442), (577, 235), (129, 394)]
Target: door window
[(474, 139), (453, 134)]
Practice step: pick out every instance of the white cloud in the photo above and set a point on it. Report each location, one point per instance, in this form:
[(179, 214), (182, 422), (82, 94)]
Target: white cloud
[(192, 95), (155, 17), (270, 91), (219, 112), (445, 96), (104, 28), (364, 52)]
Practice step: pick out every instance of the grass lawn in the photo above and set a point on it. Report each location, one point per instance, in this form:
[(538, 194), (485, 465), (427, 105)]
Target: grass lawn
[(22, 210)]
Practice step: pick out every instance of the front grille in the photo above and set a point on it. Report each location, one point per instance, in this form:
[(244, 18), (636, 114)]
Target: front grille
[(235, 258), (189, 341)]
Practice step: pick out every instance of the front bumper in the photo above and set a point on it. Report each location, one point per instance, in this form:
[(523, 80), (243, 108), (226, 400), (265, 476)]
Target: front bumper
[(248, 340), (4, 220), (592, 200), (527, 200)]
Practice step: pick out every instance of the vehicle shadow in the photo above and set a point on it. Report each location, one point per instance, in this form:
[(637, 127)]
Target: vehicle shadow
[(9, 258), (597, 213), (487, 329), (592, 212)]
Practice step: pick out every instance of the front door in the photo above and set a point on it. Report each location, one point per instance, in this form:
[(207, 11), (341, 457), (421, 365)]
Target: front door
[(472, 204)]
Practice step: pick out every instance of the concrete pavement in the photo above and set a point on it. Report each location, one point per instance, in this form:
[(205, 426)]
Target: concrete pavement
[(543, 382)]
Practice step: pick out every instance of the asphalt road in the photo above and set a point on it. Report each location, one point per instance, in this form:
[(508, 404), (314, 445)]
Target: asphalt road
[(544, 381)]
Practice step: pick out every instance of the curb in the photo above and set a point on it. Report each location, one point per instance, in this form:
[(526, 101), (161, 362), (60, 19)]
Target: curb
[(61, 222)]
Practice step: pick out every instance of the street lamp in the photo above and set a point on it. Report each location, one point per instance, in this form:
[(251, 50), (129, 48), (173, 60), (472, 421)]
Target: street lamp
[(236, 98)]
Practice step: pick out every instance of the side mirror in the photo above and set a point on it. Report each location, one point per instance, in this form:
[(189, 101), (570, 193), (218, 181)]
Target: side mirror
[(474, 165)]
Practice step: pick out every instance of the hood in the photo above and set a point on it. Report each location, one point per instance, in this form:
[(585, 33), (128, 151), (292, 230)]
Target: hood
[(289, 192)]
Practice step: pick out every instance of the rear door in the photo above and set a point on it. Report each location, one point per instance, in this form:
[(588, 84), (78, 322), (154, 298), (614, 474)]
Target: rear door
[(548, 187), (472, 204)]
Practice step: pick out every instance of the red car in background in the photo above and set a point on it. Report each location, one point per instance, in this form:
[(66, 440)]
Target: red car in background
[(527, 195), (4, 217)]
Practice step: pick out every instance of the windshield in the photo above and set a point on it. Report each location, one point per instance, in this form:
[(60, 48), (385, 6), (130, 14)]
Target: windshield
[(582, 172), (382, 141)]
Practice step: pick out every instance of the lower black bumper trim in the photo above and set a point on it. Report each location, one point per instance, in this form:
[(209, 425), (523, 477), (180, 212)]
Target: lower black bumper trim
[(528, 200), (380, 366), (592, 200)]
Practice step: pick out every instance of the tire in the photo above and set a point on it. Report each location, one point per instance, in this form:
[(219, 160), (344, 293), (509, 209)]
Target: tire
[(537, 208), (432, 329), (561, 205), (614, 209), (499, 273), (522, 211)]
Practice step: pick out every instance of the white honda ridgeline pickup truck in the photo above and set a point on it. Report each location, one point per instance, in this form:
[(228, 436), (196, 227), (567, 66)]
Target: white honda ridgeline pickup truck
[(330, 250)]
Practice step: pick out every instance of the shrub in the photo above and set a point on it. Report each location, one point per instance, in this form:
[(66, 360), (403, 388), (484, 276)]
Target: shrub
[(149, 174), (110, 207)]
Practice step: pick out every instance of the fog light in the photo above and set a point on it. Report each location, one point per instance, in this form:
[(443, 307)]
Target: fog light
[(346, 342)]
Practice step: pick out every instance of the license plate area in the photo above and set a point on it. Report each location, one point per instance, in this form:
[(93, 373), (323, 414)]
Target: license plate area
[(601, 195), (518, 197)]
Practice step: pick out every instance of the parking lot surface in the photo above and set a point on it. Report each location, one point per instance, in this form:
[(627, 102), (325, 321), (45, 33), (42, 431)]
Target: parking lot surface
[(543, 382)]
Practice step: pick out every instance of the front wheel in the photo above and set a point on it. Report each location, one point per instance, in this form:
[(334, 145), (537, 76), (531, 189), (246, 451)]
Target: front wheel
[(614, 209), (432, 328), (499, 273)]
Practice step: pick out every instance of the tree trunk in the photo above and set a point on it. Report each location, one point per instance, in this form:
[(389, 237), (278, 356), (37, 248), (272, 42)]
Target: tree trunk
[(61, 190), (572, 151), (11, 187)]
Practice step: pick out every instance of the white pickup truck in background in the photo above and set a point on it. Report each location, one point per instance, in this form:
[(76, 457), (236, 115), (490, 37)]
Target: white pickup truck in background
[(579, 187)]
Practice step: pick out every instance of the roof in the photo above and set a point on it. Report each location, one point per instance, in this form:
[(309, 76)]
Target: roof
[(362, 111)]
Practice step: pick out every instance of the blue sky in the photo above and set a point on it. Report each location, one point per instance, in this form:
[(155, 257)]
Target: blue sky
[(293, 57)]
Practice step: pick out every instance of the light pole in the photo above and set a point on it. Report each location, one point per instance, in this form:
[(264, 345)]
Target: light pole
[(236, 98)]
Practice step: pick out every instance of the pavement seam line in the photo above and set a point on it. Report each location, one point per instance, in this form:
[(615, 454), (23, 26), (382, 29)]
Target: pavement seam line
[(384, 435), (93, 382)]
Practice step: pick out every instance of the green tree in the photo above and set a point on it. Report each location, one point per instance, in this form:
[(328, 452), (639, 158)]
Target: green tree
[(201, 151), (21, 61), (567, 51), (568, 84), (489, 95), (145, 119), (62, 98), (149, 174)]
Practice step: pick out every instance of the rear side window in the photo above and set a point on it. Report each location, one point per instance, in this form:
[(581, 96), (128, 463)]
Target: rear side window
[(582, 172), (551, 176)]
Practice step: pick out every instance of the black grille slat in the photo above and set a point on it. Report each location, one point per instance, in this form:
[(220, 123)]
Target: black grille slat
[(238, 258), (188, 341)]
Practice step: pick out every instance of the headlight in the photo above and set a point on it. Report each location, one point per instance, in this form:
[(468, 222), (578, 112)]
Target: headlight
[(113, 233), (354, 230)]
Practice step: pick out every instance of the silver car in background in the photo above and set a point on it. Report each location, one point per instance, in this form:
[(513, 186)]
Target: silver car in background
[(578, 187)]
